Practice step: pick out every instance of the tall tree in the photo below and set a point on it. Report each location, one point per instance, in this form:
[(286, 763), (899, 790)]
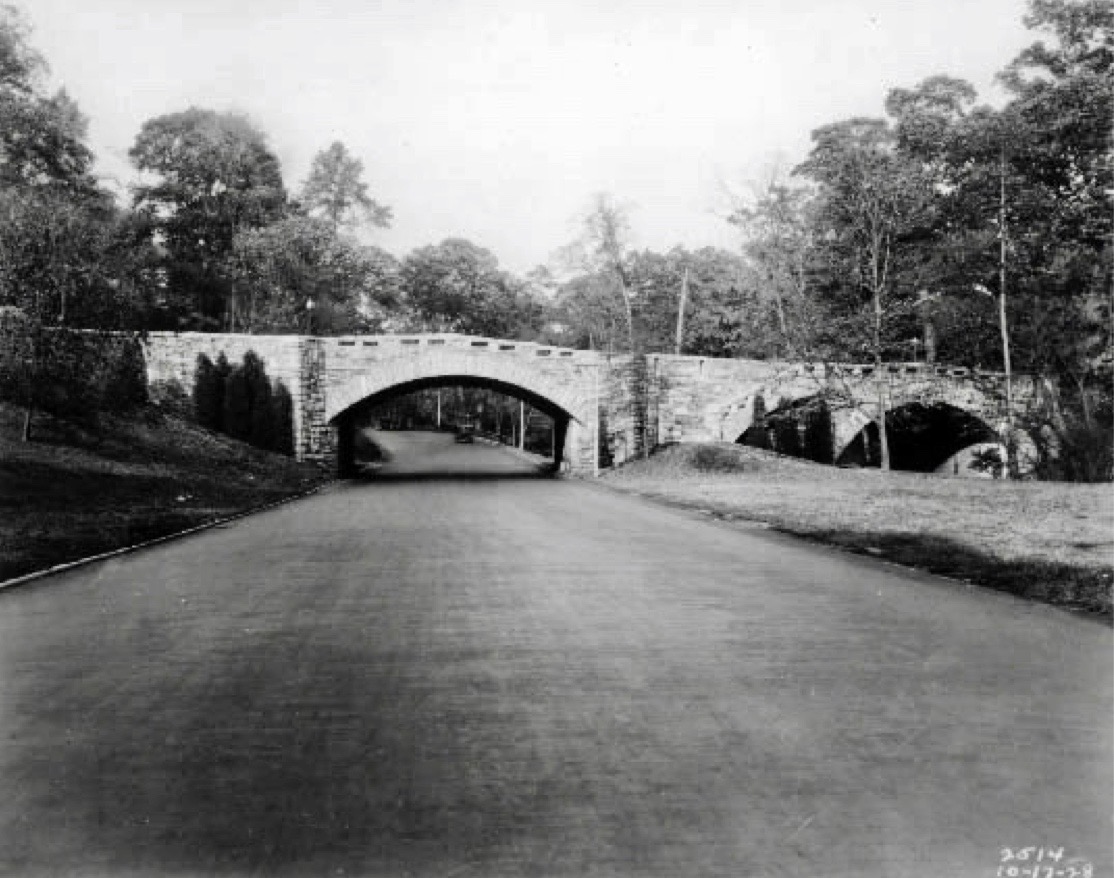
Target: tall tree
[(1063, 230), (876, 204), (780, 242), (456, 286), (298, 271), (67, 256), (336, 191), (602, 248), (214, 176)]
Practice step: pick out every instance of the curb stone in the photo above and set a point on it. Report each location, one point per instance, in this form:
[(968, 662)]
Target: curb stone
[(126, 550)]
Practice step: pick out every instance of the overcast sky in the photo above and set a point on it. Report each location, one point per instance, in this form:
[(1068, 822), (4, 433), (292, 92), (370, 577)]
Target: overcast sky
[(497, 120)]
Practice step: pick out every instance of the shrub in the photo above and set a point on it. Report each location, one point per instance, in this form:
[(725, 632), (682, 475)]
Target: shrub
[(1074, 435), (1076, 452), (242, 403), (208, 394), (282, 420), (236, 411), (262, 434), (124, 387)]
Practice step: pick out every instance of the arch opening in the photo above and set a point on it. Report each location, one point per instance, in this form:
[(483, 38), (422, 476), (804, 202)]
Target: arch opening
[(927, 438), (541, 425), (801, 427), (933, 437)]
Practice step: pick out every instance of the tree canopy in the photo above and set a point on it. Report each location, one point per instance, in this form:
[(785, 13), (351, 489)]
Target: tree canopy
[(214, 176), (336, 191)]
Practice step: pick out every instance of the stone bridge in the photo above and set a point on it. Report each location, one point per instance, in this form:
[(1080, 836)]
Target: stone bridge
[(606, 407)]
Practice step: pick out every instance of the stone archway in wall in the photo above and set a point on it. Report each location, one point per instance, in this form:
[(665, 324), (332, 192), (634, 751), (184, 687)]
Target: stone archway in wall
[(852, 421), (570, 408), (739, 416), (977, 418)]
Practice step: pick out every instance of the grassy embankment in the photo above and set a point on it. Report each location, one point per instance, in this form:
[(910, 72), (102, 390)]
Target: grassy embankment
[(78, 491), (1045, 541)]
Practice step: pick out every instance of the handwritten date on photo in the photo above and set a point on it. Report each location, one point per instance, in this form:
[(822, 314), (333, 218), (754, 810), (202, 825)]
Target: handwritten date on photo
[(1034, 862)]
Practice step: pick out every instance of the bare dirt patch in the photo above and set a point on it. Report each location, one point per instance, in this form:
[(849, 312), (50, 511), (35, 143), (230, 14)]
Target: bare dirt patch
[(79, 490), (1047, 541)]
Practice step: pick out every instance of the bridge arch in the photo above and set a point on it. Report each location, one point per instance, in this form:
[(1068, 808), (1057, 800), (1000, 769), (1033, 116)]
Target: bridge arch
[(976, 412), (396, 376), (445, 367)]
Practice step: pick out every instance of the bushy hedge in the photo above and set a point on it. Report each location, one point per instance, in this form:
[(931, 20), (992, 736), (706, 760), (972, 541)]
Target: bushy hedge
[(70, 373), (241, 402)]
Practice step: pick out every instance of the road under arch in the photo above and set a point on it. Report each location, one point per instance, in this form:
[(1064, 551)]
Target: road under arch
[(345, 422)]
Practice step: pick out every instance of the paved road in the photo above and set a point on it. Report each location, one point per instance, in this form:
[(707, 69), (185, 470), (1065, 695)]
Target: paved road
[(504, 676)]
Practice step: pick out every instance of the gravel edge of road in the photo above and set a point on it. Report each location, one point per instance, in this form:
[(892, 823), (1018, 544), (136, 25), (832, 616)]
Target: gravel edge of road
[(135, 547)]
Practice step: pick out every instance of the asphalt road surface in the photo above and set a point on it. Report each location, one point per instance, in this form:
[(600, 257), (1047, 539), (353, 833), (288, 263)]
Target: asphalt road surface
[(480, 673)]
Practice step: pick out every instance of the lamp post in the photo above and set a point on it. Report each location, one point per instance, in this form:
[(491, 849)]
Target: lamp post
[(310, 306), (1003, 328)]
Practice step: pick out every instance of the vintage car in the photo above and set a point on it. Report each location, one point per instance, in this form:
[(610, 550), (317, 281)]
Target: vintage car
[(465, 433)]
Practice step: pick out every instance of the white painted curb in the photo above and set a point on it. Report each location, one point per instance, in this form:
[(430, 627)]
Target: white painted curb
[(124, 550)]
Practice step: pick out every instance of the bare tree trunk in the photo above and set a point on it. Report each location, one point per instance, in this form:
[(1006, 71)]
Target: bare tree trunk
[(1011, 455), (879, 273), (883, 437), (26, 437), (681, 314)]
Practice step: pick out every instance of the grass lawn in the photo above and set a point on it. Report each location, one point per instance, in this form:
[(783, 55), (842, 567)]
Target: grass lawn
[(1047, 541), (80, 490)]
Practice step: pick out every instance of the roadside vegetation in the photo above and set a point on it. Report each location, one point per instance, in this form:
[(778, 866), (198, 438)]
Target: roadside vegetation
[(1045, 541), (84, 488)]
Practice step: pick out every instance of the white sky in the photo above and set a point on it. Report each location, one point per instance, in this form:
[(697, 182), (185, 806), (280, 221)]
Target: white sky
[(497, 120)]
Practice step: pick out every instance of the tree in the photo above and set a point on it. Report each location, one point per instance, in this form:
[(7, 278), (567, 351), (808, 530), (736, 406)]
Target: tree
[(335, 191), (20, 64), (214, 177), (780, 242), (602, 249), (42, 139), (456, 286), (208, 392), (1063, 231), (876, 206), (277, 270), (593, 316), (66, 254)]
